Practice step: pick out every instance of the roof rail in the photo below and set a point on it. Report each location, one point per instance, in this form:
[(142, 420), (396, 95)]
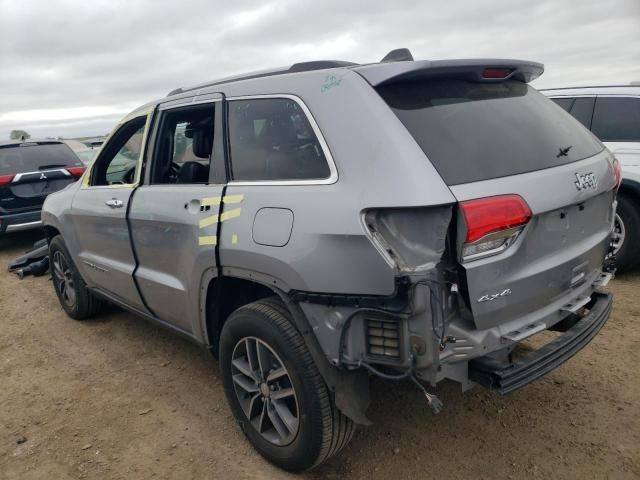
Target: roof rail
[(318, 65), (588, 86), (295, 68)]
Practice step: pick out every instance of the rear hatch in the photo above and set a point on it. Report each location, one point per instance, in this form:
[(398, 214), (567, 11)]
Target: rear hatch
[(30, 171), (536, 190)]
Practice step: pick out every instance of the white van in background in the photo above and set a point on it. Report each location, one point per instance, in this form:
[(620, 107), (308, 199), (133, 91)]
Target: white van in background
[(612, 113)]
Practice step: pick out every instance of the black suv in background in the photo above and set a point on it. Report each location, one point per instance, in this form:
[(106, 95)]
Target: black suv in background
[(29, 171)]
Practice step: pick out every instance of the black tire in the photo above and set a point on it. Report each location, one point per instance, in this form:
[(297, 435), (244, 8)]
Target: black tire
[(322, 430), (84, 305), (628, 257)]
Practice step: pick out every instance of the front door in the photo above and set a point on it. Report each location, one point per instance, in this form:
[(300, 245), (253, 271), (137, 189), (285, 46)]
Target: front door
[(174, 216), (106, 259)]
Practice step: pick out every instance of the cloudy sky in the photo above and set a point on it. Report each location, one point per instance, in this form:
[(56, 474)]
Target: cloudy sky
[(73, 68)]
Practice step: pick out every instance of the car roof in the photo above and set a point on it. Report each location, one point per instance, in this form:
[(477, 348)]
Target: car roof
[(13, 143), (396, 65), (593, 90)]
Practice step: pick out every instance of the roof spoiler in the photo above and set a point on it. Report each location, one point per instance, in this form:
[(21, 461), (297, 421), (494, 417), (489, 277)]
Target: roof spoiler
[(476, 70)]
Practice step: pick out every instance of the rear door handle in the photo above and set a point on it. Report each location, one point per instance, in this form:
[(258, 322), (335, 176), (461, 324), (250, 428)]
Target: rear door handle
[(114, 203)]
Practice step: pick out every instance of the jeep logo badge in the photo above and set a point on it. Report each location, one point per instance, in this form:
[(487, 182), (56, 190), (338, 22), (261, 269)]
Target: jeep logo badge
[(583, 182)]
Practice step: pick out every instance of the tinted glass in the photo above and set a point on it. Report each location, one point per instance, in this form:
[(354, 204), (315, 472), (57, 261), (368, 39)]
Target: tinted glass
[(617, 119), (476, 131), (271, 139), (117, 161), (34, 157), (126, 159), (565, 103), (582, 110), (184, 147)]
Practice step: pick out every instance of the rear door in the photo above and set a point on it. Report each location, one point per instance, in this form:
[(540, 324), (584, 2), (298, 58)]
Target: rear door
[(536, 191), (99, 213), (174, 215), (30, 171)]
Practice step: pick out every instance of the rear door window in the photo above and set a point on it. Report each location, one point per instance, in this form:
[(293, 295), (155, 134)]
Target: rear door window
[(477, 131), (617, 119), (36, 156), (272, 139)]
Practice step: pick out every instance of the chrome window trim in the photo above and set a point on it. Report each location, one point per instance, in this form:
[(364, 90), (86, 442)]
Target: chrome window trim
[(333, 171)]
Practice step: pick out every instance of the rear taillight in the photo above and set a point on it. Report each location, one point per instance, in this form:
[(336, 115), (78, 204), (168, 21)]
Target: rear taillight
[(617, 172), (76, 171), (492, 224), (6, 180)]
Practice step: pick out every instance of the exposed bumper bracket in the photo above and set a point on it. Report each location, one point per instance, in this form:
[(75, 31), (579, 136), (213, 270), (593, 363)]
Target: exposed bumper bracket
[(506, 377)]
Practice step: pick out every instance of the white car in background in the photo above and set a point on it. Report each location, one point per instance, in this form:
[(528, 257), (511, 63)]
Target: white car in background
[(86, 153), (613, 115)]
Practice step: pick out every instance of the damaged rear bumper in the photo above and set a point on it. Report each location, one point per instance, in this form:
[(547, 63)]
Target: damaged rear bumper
[(506, 377)]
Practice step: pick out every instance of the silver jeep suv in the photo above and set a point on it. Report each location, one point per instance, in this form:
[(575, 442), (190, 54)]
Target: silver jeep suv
[(317, 225)]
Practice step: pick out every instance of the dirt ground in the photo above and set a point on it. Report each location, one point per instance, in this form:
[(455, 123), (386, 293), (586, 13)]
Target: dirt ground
[(118, 398)]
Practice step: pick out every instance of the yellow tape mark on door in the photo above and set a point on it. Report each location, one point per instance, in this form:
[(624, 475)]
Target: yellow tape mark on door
[(205, 222), (229, 214), (208, 240), (234, 239), (212, 220), (210, 201)]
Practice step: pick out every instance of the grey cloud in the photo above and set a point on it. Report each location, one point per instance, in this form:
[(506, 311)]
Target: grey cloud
[(68, 54)]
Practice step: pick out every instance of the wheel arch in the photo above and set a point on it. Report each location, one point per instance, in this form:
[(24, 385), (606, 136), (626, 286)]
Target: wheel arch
[(236, 288), (50, 232)]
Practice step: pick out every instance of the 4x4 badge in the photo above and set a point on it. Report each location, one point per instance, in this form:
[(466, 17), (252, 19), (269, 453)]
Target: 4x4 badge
[(489, 298), (588, 180)]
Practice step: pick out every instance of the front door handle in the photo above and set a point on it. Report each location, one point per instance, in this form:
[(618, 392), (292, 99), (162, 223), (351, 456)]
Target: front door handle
[(114, 203)]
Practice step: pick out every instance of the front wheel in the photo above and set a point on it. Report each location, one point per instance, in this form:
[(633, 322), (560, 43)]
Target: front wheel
[(626, 235), (275, 391)]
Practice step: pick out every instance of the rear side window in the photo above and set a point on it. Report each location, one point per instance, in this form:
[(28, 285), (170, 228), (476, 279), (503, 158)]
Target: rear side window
[(32, 157), (272, 139), (477, 131), (617, 119), (565, 103), (582, 110)]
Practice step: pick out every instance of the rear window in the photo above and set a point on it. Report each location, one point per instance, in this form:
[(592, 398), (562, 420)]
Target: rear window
[(31, 157), (477, 131)]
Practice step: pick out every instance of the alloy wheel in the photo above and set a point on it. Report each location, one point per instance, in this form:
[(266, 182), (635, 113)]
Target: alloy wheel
[(619, 234), (63, 277), (265, 391)]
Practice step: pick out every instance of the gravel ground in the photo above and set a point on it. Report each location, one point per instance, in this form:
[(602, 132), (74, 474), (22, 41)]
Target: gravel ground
[(117, 397)]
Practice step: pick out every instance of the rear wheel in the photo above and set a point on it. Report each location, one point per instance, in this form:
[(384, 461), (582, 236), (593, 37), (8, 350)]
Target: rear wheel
[(626, 235), (275, 390), (74, 296)]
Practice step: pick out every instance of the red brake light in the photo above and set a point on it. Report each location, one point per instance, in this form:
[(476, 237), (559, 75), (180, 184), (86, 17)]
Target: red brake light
[(5, 180), (617, 172), (492, 214), (76, 171), (497, 73)]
